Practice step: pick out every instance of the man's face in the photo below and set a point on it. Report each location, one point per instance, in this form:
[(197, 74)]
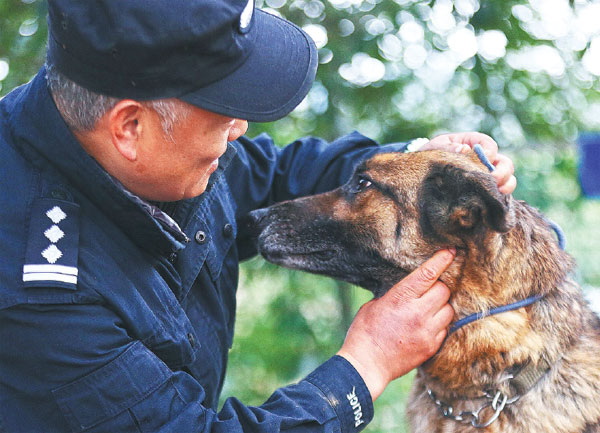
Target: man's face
[(179, 169)]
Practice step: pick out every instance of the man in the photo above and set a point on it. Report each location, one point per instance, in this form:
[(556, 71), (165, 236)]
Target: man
[(124, 169)]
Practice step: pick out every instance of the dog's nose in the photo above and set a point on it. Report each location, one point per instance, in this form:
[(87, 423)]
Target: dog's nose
[(251, 224), (257, 216)]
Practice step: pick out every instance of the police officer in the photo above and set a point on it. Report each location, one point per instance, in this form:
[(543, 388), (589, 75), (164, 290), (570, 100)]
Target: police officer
[(124, 168)]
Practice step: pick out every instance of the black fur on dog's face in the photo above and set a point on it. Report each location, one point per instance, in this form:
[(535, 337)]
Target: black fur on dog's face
[(294, 236), (391, 216)]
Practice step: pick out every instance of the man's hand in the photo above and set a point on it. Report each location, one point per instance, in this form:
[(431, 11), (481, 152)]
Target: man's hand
[(463, 142), (399, 331)]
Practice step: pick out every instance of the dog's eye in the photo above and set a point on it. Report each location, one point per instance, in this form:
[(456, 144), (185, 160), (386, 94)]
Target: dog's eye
[(362, 183)]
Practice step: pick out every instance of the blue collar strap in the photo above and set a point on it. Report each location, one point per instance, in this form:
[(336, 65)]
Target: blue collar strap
[(503, 309), (484, 159)]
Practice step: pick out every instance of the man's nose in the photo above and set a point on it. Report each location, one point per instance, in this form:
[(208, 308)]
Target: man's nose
[(238, 129)]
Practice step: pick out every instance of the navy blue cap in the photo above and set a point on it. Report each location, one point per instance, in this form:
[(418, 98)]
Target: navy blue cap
[(220, 55)]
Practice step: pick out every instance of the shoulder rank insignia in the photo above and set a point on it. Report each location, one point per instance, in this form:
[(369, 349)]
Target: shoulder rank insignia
[(53, 244)]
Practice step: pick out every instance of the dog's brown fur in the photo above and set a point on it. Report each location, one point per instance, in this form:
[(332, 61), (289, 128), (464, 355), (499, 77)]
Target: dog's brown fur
[(374, 234)]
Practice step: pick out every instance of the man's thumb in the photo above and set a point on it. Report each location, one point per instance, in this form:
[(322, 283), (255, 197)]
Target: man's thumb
[(421, 279)]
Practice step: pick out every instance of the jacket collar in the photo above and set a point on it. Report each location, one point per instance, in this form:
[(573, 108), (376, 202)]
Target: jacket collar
[(38, 127)]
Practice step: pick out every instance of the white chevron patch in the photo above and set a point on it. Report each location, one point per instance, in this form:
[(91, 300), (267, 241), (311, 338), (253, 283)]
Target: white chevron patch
[(56, 214), (52, 247), (52, 254), (54, 234)]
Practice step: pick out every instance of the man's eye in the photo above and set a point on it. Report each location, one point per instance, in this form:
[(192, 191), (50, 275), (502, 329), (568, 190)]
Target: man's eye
[(362, 184)]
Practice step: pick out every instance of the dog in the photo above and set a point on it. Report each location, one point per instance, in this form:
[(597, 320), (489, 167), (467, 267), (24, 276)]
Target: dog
[(534, 368)]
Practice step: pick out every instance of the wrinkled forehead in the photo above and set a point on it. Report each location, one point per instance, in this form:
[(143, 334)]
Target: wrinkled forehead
[(399, 168)]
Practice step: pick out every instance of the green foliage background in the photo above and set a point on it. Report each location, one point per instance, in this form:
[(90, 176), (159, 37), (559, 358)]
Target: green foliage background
[(534, 103)]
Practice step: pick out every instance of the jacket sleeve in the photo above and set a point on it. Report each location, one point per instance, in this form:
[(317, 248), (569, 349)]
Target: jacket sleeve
[(75, 368), (263, 174)]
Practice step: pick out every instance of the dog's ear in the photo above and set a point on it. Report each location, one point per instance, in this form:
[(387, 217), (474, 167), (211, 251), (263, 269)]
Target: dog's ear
[(458, 202)]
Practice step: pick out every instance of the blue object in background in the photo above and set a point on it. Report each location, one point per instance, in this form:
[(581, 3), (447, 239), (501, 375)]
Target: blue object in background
[(589, 163)]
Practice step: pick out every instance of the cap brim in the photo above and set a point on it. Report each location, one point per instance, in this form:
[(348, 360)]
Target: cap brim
[(273, 80)]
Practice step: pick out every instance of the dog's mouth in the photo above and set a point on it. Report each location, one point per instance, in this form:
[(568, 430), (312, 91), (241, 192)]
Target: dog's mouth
[(371, 274), (292, 257), (321, 255)]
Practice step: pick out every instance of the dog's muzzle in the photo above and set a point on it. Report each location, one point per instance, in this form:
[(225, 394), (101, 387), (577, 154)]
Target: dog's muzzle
[(254, 222)]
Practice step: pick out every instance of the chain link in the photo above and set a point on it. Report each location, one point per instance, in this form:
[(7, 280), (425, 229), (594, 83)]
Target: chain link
[(496, 402)]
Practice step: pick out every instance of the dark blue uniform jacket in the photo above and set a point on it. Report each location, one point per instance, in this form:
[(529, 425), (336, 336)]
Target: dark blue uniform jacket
[(112, 320)]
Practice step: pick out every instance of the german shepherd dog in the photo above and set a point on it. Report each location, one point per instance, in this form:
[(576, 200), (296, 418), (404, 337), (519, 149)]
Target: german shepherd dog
[(535, 368)]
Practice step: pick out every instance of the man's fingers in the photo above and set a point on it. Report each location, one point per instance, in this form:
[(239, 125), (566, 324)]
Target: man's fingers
[(503, 169), (504, 174), (443, 317), (439, 339), (509, 186), (422, 278), (490, 147), (436, 297), (441, 321)]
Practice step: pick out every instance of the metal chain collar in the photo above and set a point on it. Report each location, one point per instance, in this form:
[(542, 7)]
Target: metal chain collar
[(496, 401), (494, 405)]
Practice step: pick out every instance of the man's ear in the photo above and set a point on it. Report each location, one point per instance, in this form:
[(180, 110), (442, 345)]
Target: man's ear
[(126, 127), (456, 202)]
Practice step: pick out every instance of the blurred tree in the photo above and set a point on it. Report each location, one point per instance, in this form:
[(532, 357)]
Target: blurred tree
[(22, 41), (525, 72)]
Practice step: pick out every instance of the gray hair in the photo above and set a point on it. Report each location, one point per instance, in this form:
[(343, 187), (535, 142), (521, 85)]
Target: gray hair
[(82, 108)]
